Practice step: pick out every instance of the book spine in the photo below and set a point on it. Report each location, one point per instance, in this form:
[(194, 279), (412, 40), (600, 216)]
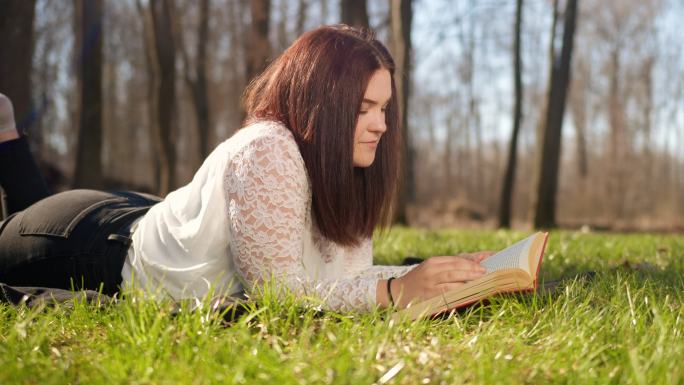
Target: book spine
[(541, 257)]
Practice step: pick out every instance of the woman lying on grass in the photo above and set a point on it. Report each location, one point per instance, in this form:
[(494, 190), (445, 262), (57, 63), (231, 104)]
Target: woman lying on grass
[(294, 195)]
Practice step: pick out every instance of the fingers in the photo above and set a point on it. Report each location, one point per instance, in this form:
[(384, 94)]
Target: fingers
[(444, 287), (456, 262), (453, 275), (476, 257), (442, 259), (437, 275), (481, 255)]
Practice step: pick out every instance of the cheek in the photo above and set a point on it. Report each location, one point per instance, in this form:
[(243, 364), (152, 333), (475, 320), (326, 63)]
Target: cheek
[(358, 130)]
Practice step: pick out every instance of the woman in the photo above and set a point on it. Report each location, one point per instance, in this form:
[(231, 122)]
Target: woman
[(294, 196)]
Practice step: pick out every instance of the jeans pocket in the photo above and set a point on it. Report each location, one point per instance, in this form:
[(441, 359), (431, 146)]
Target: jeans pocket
[(59, 214)]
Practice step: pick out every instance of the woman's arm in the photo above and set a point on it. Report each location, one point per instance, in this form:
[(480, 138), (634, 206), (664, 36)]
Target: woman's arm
[(418, 282), (267, 193)]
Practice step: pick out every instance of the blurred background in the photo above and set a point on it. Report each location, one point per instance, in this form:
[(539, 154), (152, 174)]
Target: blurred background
[(523, 113)]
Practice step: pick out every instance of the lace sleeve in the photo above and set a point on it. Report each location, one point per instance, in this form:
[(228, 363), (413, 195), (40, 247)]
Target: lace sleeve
[(359, 262), (268, 202)]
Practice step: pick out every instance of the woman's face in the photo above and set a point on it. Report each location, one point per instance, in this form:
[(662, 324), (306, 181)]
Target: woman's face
[(371, 123)]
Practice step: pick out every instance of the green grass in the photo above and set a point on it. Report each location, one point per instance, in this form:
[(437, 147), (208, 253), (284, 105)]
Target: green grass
[(624, 326)]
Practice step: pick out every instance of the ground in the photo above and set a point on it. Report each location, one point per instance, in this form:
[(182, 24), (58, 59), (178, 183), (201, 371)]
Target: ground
[(623, 326)]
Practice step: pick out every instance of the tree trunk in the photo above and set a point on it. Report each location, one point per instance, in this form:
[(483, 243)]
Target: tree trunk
[(355, 12), (166, 91), (16, 53), (647, 152), (509, 177), (200, 95), (401, 19), (152, 86), (544, 216), (476, 190), (301, 16), (281, 34), (616, 149), (196, 78), (89, 67), (447, 162), (237, 30), (579, 107), (161, 69), (324, 11), (259, 48)]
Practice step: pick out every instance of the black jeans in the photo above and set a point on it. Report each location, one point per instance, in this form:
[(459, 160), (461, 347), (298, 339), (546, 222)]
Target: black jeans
[(76, 239)]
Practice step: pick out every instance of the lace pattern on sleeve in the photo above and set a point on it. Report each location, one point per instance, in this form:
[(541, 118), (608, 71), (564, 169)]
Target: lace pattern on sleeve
[(269, 204), (359, 263)]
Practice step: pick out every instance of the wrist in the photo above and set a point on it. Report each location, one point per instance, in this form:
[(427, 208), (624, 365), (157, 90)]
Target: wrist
[(381, 293), (389, 292)]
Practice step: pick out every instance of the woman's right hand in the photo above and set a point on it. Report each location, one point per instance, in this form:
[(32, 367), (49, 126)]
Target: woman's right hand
[(437, 275)]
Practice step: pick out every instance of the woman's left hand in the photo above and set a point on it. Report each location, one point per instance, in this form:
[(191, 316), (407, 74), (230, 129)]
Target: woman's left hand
[(478, 256)]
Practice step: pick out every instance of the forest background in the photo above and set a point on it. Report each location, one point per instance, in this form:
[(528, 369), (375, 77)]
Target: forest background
[(525, 113)]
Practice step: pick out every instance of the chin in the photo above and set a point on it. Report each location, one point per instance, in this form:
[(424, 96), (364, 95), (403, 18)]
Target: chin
[(364, 163)]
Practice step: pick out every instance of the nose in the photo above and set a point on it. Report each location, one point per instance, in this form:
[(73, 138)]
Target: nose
[(378, 125)]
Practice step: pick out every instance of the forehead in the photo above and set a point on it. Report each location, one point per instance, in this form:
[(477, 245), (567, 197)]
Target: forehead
[(379, 87)]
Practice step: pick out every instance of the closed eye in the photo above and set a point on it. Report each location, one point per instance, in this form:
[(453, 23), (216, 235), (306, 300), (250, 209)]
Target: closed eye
[(370, 104)]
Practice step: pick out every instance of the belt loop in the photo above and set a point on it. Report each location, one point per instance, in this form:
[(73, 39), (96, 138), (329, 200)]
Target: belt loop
[(120, 238), (123, 234)]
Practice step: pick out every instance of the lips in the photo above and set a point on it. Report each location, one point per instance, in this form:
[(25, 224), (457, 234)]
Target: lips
[(375, 141)]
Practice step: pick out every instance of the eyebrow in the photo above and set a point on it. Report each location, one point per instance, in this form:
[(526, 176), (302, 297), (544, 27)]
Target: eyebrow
[(372, 102)]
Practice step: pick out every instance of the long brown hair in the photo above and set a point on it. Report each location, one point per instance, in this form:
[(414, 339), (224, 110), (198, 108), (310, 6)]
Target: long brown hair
[(315, 88)]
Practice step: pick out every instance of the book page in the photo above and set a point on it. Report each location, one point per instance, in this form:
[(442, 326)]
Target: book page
[(514, 256)]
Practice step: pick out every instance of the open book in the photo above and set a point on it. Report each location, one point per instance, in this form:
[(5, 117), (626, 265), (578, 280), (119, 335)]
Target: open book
[(510, 270)]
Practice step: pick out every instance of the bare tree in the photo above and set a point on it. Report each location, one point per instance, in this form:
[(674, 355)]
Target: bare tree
[(161, 59), (623, 168), (579, 110), (16, 52), (509, 177), (152, 85), (239, 58), (618, 134), (447, 162), (301, 16), (127, 160), (258, 48), (401, 20), (196, 78), (166, 92), (627, 33), (472, 117), (324, 11), (354, 13), (550, 140), (88, 21)]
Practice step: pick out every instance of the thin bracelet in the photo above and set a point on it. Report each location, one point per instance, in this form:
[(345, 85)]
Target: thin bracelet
[(389, 290)]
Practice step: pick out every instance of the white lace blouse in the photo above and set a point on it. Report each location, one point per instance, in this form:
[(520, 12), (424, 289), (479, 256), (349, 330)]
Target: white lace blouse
[(245, 218)]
